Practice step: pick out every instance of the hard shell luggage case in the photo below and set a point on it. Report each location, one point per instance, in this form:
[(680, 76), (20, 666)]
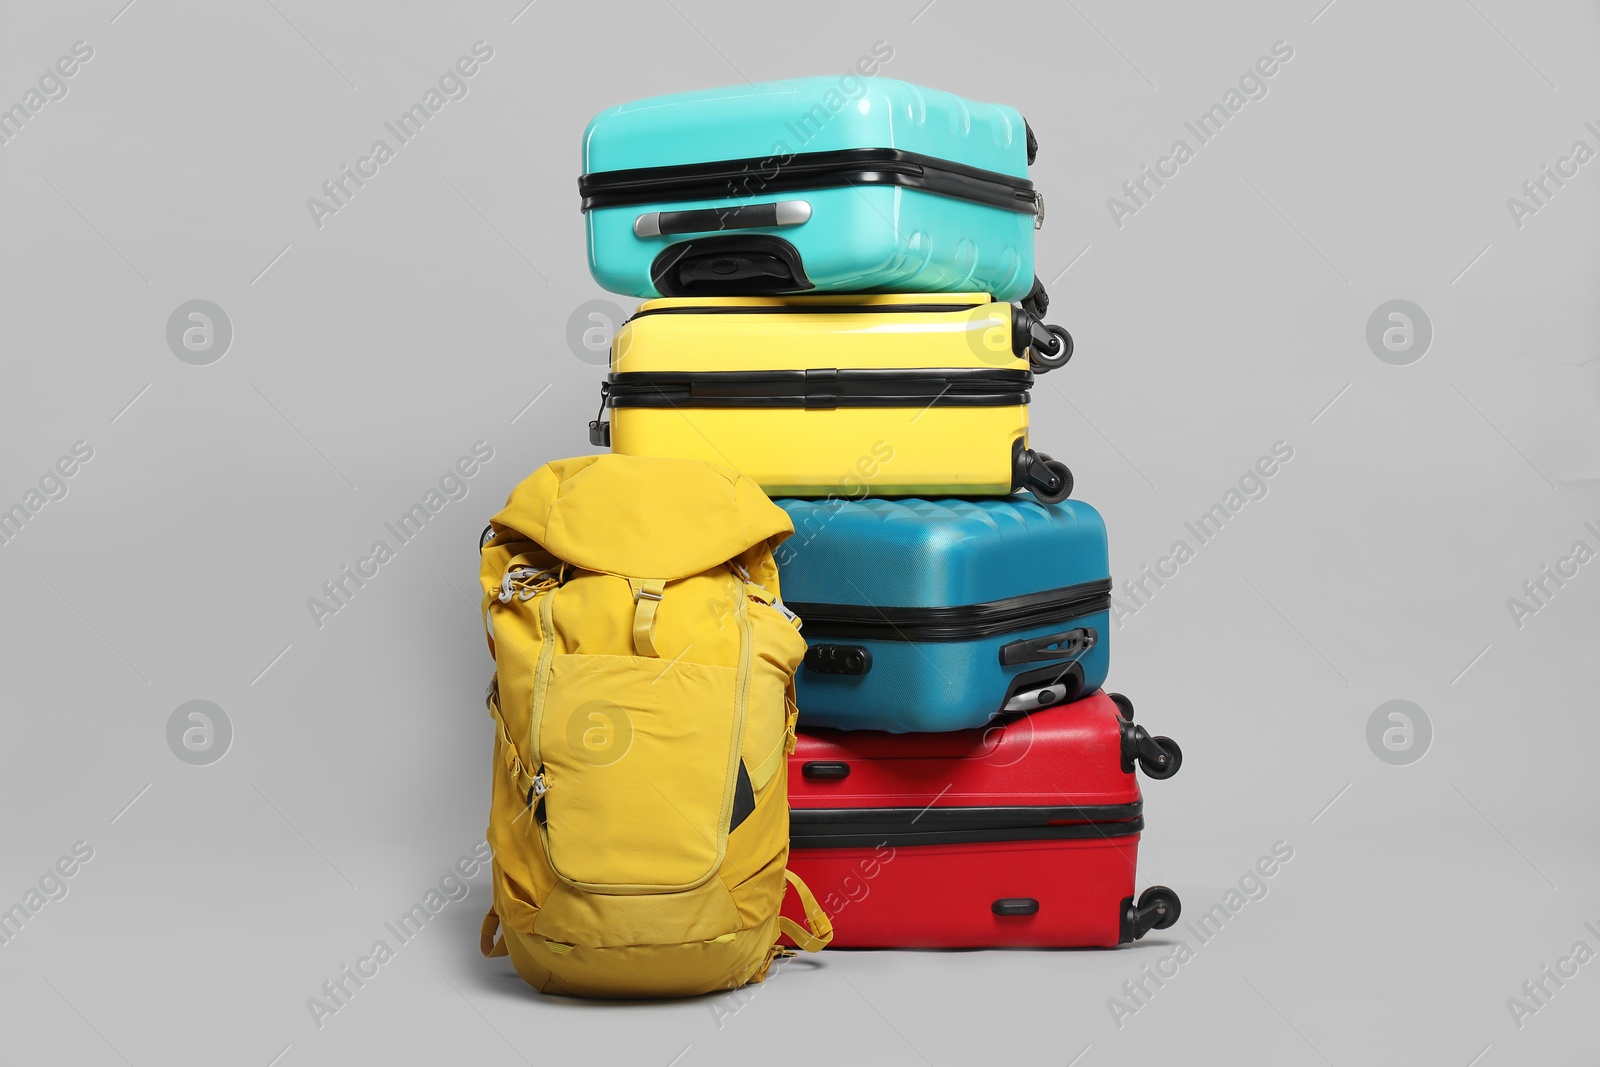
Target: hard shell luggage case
[(1025, 833), (838, 395), (810, 185), (929, 615)]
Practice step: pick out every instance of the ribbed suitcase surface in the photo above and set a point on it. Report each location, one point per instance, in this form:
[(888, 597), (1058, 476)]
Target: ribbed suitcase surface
[(929, 615)]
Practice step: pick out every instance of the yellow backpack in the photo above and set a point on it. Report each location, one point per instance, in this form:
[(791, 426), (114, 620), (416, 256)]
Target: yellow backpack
[(644, 697)]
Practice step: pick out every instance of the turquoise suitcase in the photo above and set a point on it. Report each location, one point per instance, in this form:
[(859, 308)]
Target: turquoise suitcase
[(835, 184), (936, 615)]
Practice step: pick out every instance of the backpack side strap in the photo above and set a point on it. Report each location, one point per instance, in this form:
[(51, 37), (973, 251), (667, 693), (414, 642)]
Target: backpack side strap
[(488, 944), (818, 931), (524, 783)]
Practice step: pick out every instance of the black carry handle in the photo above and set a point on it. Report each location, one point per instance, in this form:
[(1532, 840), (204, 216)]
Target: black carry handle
[(1069, 644), (753, 264), (1044, 687), (703, 220), (825, 770), (1015, 906), (853, 660)]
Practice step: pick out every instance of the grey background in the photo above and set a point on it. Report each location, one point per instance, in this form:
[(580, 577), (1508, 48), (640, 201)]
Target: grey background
[(1226, 315)]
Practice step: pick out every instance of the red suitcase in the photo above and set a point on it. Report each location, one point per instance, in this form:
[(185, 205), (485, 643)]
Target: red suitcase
[(1021, 833)]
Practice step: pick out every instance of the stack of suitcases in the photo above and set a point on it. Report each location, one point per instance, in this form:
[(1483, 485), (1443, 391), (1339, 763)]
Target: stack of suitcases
[(841, 303)]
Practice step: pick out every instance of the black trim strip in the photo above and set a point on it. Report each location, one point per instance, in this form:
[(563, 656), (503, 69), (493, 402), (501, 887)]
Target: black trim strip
[(905, 839), (938, 819), (807, 308), (818, 387), (957, 623), (719, 179)]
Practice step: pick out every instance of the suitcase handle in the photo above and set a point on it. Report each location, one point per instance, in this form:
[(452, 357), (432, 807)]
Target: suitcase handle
[(747, 264), (1044, 687), (1015, 906), (1069, 644), (702, 220)]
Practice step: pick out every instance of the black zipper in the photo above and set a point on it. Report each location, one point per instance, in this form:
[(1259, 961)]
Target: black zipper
[(957, 623), (839, 828), (808, 170), (801, 309), (818, 388), (964, 817)]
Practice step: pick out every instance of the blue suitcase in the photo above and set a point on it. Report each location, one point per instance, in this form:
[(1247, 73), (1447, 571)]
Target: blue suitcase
[(811, 185), (933, 615)]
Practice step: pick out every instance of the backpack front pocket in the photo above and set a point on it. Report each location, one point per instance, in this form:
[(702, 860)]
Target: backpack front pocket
[(640, 759)]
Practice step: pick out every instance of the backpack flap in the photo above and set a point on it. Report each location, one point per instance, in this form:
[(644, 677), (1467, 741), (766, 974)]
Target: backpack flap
[(639, 516)]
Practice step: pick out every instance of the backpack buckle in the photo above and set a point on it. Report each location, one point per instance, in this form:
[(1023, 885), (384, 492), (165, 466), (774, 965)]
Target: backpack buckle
[(538, 788), (644, 594)]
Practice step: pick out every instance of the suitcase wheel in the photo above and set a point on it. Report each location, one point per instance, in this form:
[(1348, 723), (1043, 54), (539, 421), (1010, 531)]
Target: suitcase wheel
[(1046, 346), (1047, 357), (1158, 757), (1124, 705), (1054, 487), (1048, 479), (1165, 764), (1158, 908), (1164, 902)]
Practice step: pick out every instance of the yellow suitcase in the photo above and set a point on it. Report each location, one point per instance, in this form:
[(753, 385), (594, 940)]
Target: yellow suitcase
[(847, 394)]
